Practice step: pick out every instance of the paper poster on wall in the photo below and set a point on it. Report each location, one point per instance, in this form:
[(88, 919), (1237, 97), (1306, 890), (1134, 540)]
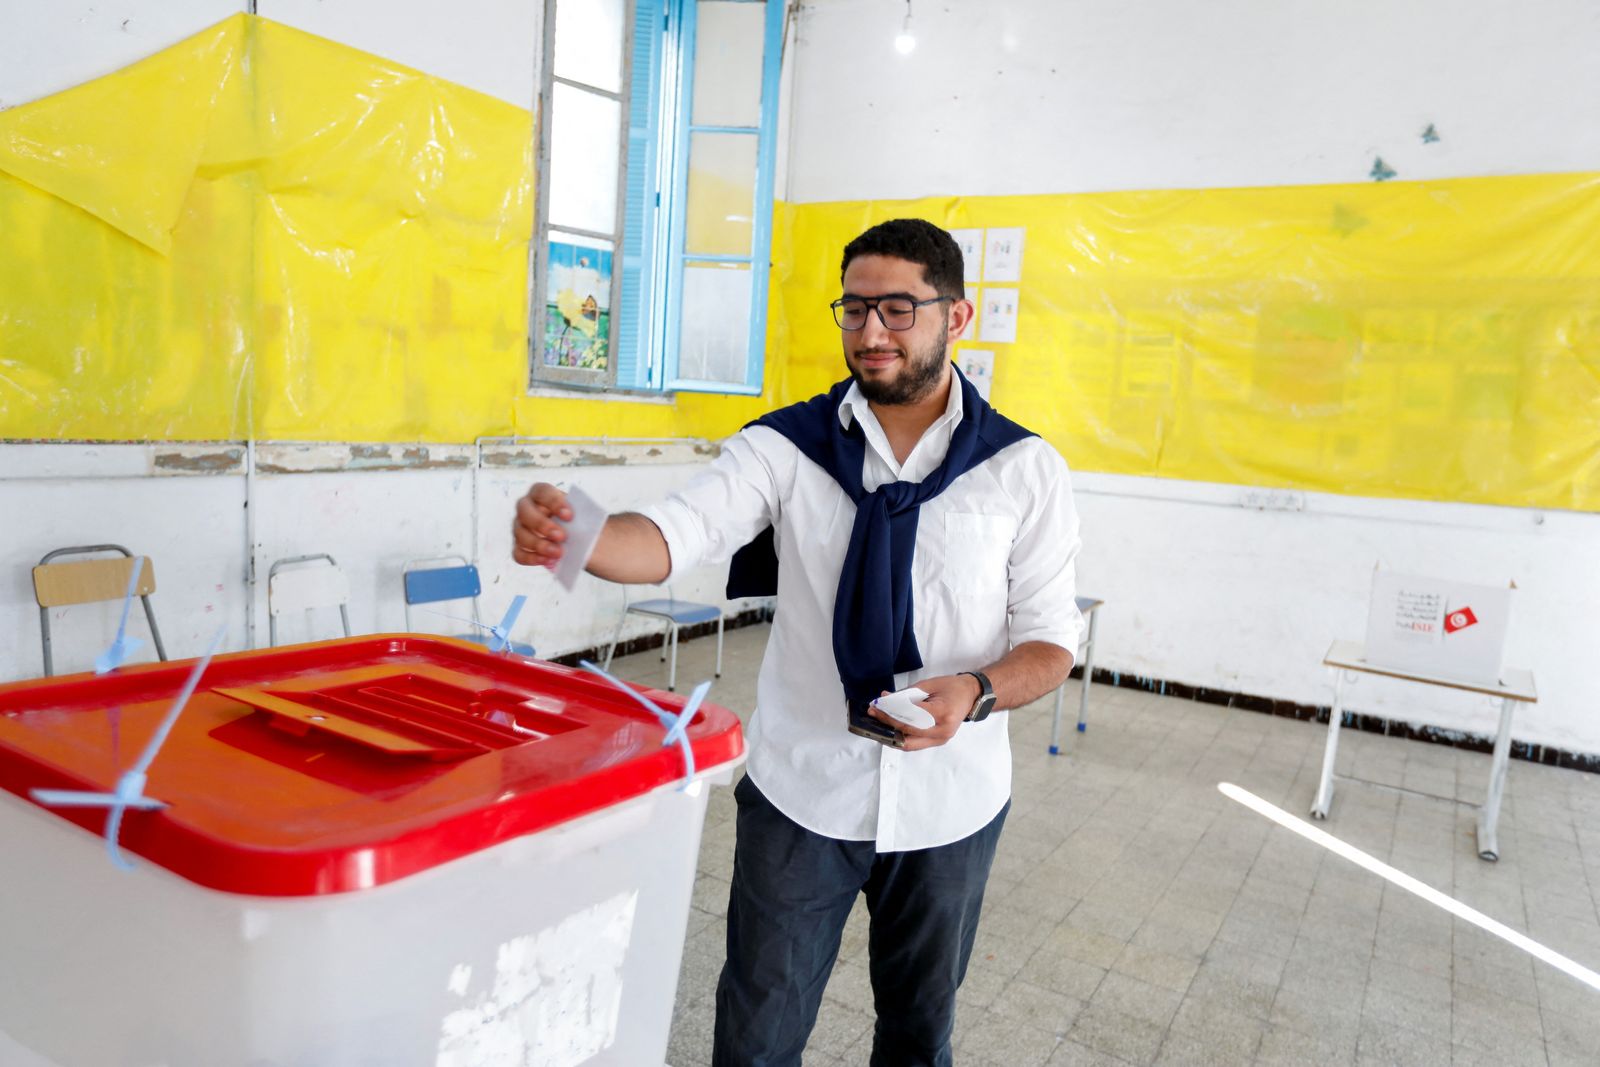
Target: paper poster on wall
[(997, 316), (978, 365), (971, 244), (1002, 255), (577, 313)]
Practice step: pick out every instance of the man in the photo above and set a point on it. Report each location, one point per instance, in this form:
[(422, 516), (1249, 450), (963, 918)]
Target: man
[(920, 539)]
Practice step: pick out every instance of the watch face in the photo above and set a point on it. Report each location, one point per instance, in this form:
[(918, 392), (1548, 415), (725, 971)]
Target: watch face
[(985, 702)]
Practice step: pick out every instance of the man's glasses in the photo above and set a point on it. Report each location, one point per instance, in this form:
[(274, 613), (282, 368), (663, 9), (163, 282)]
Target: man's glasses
[(895, 312)]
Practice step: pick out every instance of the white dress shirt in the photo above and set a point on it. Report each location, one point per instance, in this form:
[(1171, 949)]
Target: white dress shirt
[(994, 566)]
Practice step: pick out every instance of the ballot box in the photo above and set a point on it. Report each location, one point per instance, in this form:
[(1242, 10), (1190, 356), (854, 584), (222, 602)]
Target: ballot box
[(381, 850)]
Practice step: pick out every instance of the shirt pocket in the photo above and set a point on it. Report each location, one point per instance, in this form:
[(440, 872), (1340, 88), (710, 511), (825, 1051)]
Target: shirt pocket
[(977, 549)]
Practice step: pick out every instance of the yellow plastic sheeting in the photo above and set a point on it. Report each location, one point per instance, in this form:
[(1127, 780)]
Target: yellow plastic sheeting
[(262, 231), (1429, 340)]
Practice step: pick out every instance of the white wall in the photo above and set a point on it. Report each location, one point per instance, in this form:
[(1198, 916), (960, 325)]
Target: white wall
[(1211, 591), (1039, 96), (488, 45), (193, 528), (46, 47)]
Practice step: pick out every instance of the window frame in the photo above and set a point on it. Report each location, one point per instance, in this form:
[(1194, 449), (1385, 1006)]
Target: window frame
[(760, 257), (540, 374), (656, 322)]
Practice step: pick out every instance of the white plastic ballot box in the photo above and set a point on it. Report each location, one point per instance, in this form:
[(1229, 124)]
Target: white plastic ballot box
[(377, 851)]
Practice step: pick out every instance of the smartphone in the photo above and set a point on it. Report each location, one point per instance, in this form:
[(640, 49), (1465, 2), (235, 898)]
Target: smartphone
[(864, 725)]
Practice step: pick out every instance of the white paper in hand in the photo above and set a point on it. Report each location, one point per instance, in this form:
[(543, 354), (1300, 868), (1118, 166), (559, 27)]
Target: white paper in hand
[(902, 706), (588, 519)]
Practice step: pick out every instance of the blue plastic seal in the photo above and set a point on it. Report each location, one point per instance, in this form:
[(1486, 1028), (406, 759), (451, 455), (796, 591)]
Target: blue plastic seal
[(129, 790)]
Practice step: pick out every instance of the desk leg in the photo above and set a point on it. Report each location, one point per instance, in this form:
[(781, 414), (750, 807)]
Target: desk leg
[(1088, 673), (1489, 816), (1055, 727), (1330, 751)]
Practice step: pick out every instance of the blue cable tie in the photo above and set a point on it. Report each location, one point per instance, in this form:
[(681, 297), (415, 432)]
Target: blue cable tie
[(129, 790), (122, 646), (500, 634), (675, 725)]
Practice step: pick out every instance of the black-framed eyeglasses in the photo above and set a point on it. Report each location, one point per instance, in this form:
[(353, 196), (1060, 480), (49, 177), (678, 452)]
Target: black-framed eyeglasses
[(895, 312)]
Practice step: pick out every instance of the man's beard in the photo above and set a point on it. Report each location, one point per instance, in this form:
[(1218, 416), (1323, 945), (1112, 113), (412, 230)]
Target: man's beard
[(922, 372)]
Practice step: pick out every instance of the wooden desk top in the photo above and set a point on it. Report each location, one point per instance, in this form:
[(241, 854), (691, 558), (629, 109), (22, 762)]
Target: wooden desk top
[(1515, 683)]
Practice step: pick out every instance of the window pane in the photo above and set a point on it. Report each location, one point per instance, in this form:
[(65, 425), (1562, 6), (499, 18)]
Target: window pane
[(728, 41), (589, 42), (722, 193), (585, 134), (577, 307), (715, 340)]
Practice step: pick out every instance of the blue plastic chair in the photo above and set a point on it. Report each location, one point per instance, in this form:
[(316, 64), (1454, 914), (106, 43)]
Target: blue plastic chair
[(674, 614), (428, 584)]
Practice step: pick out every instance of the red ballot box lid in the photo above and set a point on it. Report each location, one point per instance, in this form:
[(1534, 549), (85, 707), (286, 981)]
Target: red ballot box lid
[(344, 765)]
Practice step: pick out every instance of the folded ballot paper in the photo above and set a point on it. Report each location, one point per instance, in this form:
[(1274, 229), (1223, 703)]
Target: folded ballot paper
[(902, 706), (583, 532)]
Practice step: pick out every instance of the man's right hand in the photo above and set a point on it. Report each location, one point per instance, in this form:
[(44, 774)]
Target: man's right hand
[(537, 534)]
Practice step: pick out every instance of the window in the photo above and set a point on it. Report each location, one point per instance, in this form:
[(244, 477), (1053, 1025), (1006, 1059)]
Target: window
[(654, 224)]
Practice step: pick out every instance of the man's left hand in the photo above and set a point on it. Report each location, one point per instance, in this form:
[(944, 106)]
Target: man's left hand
[(950, 699)]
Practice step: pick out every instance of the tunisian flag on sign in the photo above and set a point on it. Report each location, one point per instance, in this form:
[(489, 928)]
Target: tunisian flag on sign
[(1459, 619)]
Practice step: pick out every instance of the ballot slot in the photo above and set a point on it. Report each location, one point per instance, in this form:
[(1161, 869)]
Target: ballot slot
[(403, 714)]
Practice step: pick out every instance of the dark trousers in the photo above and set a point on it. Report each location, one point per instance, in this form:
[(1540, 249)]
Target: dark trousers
[(793, 890)]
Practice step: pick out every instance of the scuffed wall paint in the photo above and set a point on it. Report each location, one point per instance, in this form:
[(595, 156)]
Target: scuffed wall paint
[(191, 519)]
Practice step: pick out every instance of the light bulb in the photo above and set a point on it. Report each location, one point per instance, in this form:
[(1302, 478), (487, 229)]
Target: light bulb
[(905, 42)]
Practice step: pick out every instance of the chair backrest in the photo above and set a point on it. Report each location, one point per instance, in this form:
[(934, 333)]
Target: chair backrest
[(306, 587), (87, 581), (442, 583)]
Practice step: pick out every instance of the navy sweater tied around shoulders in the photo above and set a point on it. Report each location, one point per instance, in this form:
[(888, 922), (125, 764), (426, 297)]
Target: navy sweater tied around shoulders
[(873, 612)]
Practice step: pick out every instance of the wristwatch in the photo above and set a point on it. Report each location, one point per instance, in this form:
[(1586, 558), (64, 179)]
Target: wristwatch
[(985, 702)]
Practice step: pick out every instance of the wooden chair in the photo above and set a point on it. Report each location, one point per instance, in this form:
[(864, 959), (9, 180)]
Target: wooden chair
[(88, 581)]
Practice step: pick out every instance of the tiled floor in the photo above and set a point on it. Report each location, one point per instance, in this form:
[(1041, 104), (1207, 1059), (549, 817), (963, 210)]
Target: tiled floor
[(1135, 915)]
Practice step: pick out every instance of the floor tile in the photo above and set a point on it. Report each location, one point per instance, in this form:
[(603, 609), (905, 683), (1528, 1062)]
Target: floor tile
[(1137, 916)]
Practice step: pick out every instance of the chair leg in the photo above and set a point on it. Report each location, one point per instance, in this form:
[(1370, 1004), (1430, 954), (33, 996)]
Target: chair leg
[(44, 631), (616, 635), (672, 671), (719, 646), (150, 617)]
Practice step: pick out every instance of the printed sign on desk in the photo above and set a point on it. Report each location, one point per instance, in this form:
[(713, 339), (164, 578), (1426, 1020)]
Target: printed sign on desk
[(1433, 626)]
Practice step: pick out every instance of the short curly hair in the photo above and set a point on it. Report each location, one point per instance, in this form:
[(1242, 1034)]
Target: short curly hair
[(916, 241)]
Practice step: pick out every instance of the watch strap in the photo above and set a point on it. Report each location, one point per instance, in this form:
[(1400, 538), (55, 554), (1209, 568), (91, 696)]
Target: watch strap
[(985, 702)]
